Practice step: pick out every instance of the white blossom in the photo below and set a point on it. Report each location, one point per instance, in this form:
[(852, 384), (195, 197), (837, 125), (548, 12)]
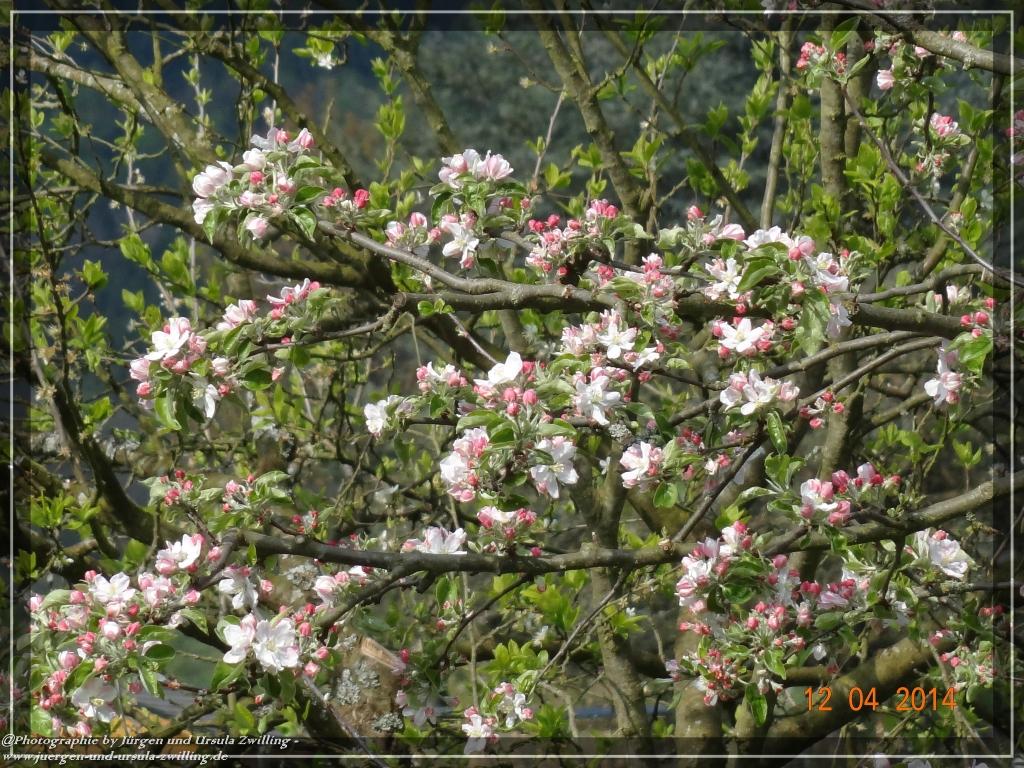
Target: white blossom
[(93, 700), (275, 645), (115, 591), (593, 399), (239, 637), (239, 586), (561, 470)]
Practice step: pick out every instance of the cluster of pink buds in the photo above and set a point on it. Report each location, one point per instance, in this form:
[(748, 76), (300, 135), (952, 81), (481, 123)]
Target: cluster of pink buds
[(825, 404), (236, 494), (834, 498), (812, 55), (553, 243), (177, 487), (601, 209), (458, 469), (291, 295), (338, 198), (307, 522), (431, 380), (976, 322), (504, 527), (720, 678), (416, 233)]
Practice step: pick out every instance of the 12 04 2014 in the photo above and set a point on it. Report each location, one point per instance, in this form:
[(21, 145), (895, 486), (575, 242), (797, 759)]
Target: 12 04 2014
[(906, 699)]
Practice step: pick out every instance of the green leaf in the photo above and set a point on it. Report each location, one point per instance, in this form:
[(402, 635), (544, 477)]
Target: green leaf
[(164, 409), (224, 674), (211, 222), (148, 677), (197, 617), (257, 379), (159, 652), (780, 469), (666, 495), (973, 351), (133, 249), (40, 721), (78, 675), (828, 621), (93, 274), (842, 33), (757, 270), (479, 418), (306, 221), (757, 703), (56, 597), (753, 493), (243, 719), (305, 194), (776, 432), (556, 427)]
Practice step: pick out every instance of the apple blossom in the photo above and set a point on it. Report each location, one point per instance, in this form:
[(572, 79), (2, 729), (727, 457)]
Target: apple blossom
[(593, 399), (93, 699), (943, 551), (168, 342), (239, 637), (742, 337), (239, 586), (478, 732), (275, 645), (546, 477), (208, 182), (116, 591), (642, 462), (438, 541), (180, 555), (945, 387)]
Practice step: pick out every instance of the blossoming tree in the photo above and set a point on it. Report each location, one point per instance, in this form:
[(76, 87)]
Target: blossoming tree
[(451, 450)]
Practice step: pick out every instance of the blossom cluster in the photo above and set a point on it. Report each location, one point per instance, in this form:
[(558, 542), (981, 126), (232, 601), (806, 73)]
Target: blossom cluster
[(833, 501), (555, 247), (508, 706), (276, 179), (906, 60), (757, 617), (103, 641), (204, 365), (751, 392)]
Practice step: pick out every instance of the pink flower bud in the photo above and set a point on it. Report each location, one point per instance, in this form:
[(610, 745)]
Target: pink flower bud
[(68, 659), (361, 198)]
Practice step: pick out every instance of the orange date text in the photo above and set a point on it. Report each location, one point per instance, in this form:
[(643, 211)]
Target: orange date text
[(906, 699)]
